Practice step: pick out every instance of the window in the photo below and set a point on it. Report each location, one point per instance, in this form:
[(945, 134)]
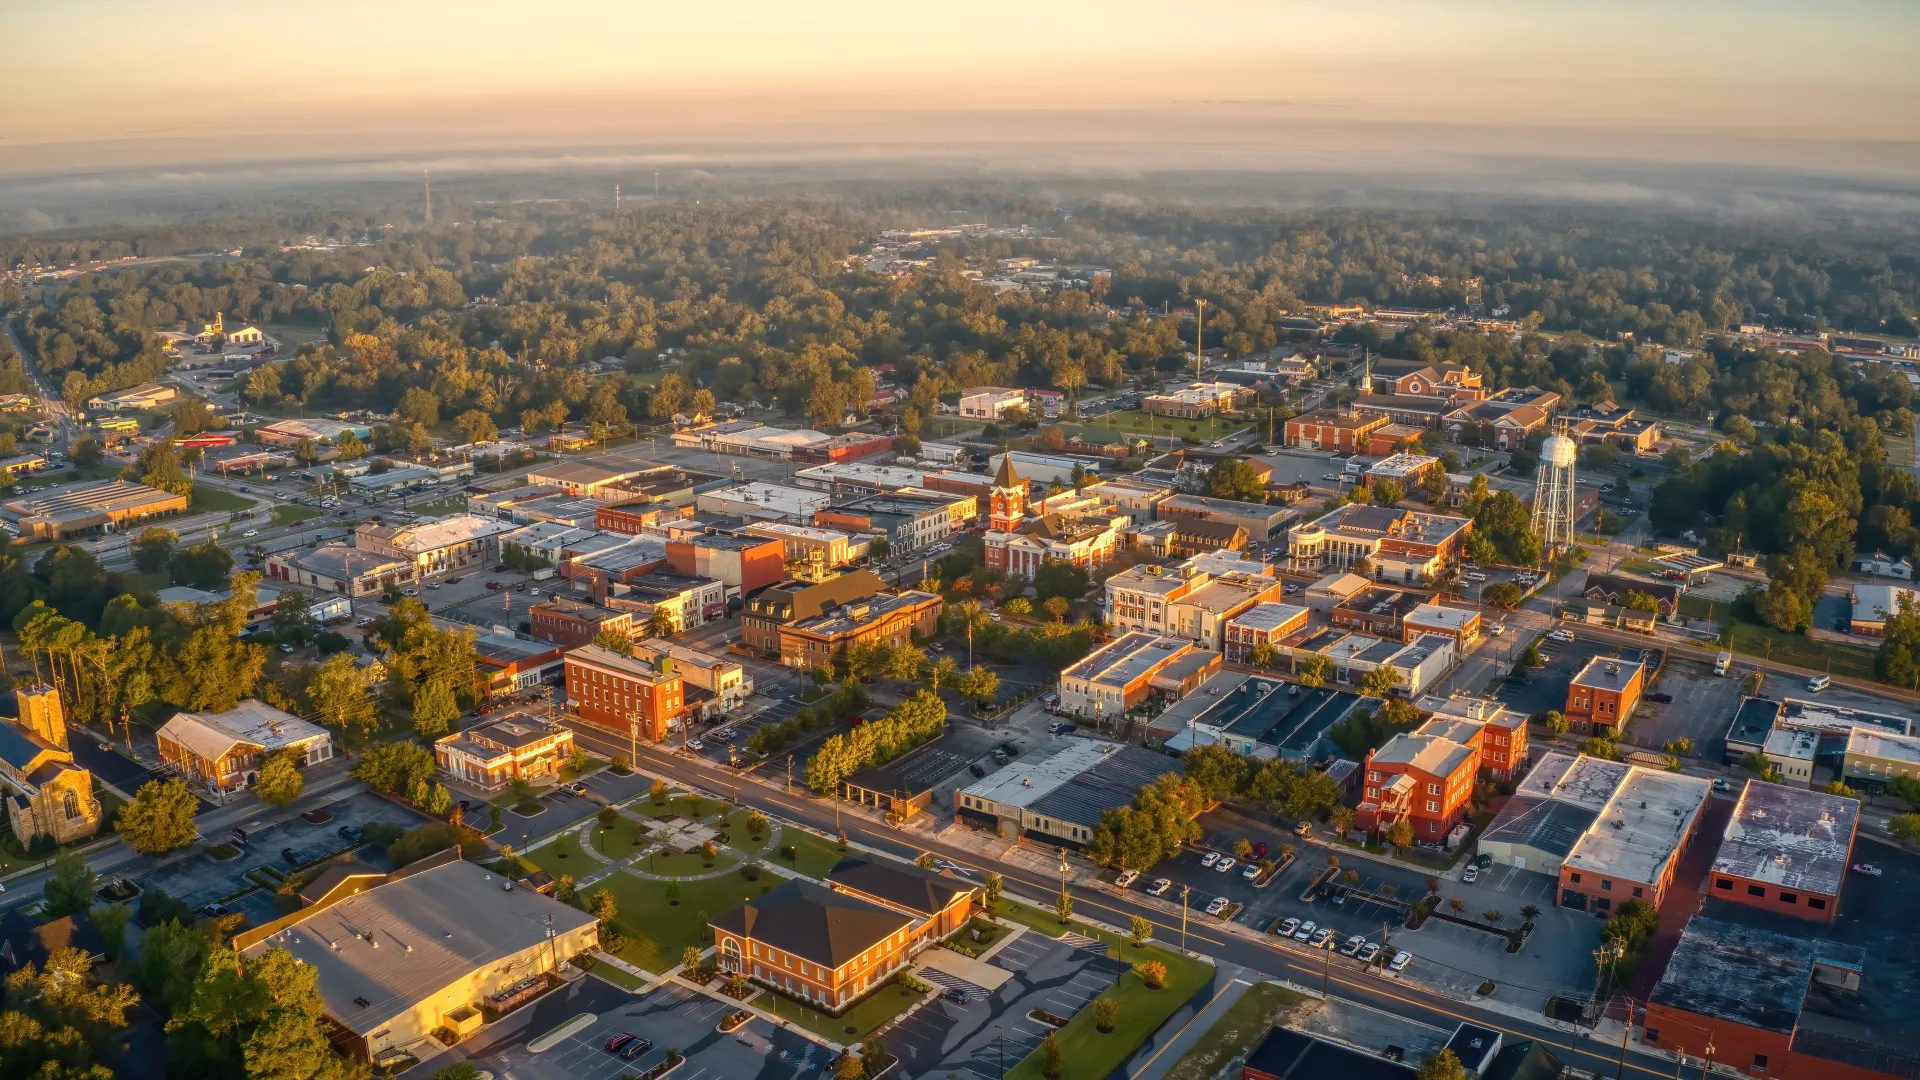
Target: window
[(1637, 891), (1816, 903), (1755, 890), (1575, 878), (1433, 789), (1653, 1036), (1759, 1061), (1606, 885), (1723, 883), (1433, 807), (1789, 898)]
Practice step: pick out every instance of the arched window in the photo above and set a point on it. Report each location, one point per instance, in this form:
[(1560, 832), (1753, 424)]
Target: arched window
[(71, 804), (730, 956)]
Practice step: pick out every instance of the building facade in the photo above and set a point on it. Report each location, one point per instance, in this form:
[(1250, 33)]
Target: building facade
[(623, 694), (493, 755), (47, 794), (221, 753), (1603, 695)]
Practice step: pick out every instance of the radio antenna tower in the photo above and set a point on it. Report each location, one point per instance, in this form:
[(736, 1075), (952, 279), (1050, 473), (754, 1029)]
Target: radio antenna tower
[(616, 198), (426, 185), (1553, 497)]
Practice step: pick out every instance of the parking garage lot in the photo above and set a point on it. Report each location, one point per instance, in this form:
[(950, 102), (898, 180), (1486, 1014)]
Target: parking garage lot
[(974, 1039), (672, 1018)]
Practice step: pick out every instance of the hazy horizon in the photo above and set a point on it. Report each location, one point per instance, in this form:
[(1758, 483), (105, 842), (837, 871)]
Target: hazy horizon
[(109, 85)]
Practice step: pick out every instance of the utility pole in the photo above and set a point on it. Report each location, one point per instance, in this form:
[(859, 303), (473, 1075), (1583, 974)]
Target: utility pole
[(633, 738), (789, 774), (1063, 874), (1185, 891), (426, 184), (1619, 1071), (616, 198)]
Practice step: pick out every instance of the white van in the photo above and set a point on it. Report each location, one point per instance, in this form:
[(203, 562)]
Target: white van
[(1819, 682), (1722, 663)]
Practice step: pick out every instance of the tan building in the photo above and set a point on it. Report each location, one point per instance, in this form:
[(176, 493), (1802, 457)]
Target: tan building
[(889, 619), (437, 547), (1119, 675), (824, 548), (86, 508), (221, 753), (723, 684), (397, 956), (46, 793), (492, 755)]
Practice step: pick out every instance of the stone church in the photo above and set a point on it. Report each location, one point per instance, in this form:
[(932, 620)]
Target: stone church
[(46, 792)]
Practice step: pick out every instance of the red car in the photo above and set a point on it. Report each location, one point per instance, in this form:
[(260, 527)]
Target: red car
[(618, 1041), (493, 585)]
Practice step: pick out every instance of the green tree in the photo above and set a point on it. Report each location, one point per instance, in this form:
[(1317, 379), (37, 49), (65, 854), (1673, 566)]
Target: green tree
[(279, 782), (338, 691), (1388, 492), (1215, 770), (1314, 672), (1017, 606), (1502, 594), (70, 890), (1557, 722), (1063, 907), (160, 817), (1380, 682), (1441, 1066), (205, 565), (1904, 828), (418, 406), (1400, 834), (476, 426), (434, 709), (152, 549), (86, 451), (1233, 478), (603, 906), (615, 638), (995, 885), (1138, 931)]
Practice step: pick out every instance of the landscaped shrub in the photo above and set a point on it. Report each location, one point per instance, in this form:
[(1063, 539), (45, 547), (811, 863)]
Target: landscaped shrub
[(1153, 973)]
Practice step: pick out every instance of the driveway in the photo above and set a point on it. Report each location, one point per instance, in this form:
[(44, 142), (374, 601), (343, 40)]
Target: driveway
[(673, 1017)]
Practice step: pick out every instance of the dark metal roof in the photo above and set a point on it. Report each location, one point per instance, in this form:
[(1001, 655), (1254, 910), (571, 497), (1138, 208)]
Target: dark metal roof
[(903, 885), (813, 923), (1740, 973), (16, 749), (1295, 1055), (1546, 824), (1111, 783), (23, 943)]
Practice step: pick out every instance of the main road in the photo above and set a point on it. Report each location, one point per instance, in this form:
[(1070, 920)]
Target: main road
[(1202, 934)]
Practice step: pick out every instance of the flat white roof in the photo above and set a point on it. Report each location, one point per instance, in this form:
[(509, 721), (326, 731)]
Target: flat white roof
[(1641, 829), (1872, 743), (1447, 617), (774, 498), (1267, 616)]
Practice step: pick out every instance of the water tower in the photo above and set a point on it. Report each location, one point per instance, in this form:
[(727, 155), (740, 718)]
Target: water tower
[(1553, 500)]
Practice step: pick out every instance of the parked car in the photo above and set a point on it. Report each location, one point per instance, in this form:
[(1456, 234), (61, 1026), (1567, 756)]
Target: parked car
[(1126, 878), (1483, 860), (1819, 682), (1159, 887), (1303, 828), (1216, 905), (1287, 928), (1401, 960), (1561, 635), (1368, 952), (1304, 931), (1722, 785), (1339, 897), (977, 769), (1322, 938), (493, 586), (1250, 871), (1498, 629), (623, 1038), (1224, 865), (250, 533), (285, 647), (1260, 850), (1470, 875), (1866, 868), (350, 833), (1352, 946), (1209, 858), (576, 787), (696, 744), (1661, 697), (635, 1047)]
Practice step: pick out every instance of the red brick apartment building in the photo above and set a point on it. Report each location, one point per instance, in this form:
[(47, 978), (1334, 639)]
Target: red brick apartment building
[(1423, 778), (1328, 430), (1603, 696), (766, 614), (611, 691), (832, 945), (1786, 850)]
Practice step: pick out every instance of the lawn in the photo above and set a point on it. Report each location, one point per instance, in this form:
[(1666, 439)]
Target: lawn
[(1134, 424), (1091, 1055), (563, 856), (680, 864), (851, 1026), (293, 515), (813, 856), (675, 806), (656, 931), (568, 775), (1242, 1025), (1753, 639), (619, 977), (207, 497)]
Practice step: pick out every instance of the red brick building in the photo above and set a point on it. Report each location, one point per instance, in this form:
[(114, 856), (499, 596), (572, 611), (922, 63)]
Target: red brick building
[(612, 691), (1786, 850), (1327, 430), (1602, 697), (569, 622), (1424, 779), (832, 945), (746, 564)]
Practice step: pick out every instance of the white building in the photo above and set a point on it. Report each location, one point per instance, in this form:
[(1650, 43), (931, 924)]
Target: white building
[(764, 502), (438, 547), (990, 402)]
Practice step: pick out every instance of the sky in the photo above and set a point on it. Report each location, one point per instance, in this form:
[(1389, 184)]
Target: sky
[(116, 83)]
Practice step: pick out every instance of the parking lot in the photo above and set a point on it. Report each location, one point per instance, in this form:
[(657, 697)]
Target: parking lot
[(672, 1018), (1557, 958), (1546, 687), (562, 809), (1703, 705), (981, 1039), (201, 879)]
